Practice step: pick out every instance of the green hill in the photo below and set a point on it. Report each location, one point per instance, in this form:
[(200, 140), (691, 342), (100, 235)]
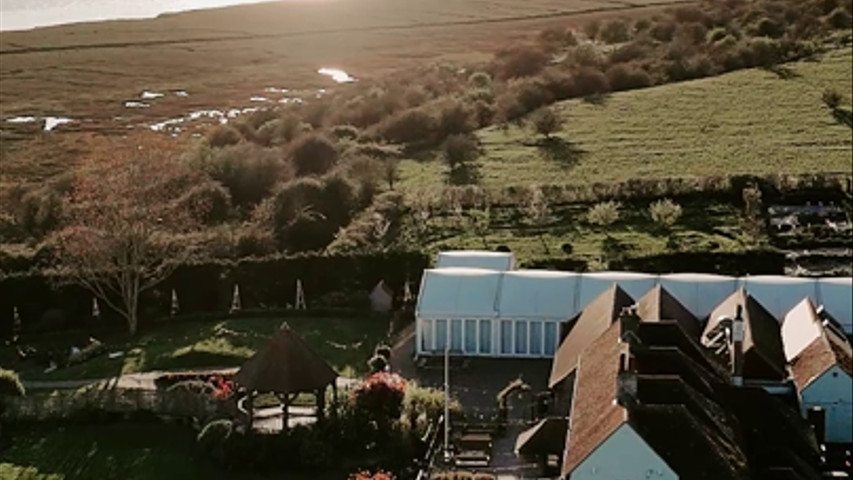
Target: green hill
[(746, 122)]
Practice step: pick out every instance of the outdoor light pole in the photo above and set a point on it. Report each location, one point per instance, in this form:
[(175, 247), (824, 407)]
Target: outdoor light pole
[(447, 394)]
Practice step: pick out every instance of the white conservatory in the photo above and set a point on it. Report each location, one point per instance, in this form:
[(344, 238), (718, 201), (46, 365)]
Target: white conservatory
[(478, 305)]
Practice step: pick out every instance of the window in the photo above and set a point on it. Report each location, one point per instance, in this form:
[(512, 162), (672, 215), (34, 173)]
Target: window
[(456, 335), (536, 338), (470, 336), (440, 334), (485, 336), (506, 336), (426, 335), (550, 338), (521, 337)]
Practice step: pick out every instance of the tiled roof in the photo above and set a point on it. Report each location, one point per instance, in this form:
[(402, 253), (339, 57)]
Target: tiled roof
[(658, 304), (764, 357), (828, 348), (592, 322), (595, 412)]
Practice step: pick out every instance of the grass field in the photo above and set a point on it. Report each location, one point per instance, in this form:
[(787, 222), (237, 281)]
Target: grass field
[(751, 121), (346, 343), (704, 226), (106, 452)]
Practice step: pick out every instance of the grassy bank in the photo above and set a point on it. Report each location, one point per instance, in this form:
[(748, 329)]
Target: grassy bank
[(746, 122), (346, 343), (105, 452), (704, 226)]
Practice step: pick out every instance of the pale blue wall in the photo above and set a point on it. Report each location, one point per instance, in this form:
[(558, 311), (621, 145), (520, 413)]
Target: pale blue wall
[(623, 456), (833, 391)]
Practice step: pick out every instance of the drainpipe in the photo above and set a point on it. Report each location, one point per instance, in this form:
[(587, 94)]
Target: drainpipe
[(737, 351)]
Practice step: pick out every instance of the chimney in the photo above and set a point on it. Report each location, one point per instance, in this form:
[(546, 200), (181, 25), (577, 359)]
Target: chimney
[(737, 350), (629, 323)]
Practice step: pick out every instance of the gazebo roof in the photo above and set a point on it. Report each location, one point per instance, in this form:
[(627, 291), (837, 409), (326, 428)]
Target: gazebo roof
[(285, 365)]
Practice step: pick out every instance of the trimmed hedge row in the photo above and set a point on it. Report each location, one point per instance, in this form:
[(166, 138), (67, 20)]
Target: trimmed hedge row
[(269, 283)]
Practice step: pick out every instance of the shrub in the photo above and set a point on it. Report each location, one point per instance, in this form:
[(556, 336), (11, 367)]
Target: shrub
[(665, 212), (522, 61), (590, 81), (765, 52), (247, 171), (585, 56), (313, 155), (767, 27), (530, 94), (717, 34), (832, 98), (631, 51), (377, 363), (559, 83), (198, 387), (592, 28), (455, 118), (383, 351), (210, 200), (10, 384), (348, 132), (223, 135), (408, 126), (839, 18), (480, 80), (663, 31), (627, 77), (213, 436), (427, 402), (546, 122), (381, 396), (604, 213), (615, 31), (459, 150)]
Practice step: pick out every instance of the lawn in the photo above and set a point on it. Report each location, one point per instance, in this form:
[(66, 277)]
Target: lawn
[(346, 343), (746, 122), (120, 451), (704, 226)]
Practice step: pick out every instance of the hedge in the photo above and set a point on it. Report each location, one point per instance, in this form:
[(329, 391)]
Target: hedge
[(45, 304)]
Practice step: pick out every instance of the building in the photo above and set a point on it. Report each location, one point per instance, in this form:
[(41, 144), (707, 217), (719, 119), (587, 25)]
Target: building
[(651, 403), (477, 304), (821, 367)]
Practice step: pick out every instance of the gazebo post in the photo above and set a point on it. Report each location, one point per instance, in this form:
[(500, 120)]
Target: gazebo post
[(284, 413), (321, 403), (251, 409), (335, 397)]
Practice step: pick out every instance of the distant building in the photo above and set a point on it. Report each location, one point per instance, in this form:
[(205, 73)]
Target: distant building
[(381, 298), (821, 367)]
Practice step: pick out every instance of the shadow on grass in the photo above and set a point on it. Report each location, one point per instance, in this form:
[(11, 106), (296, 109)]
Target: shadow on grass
[(562, 151), (843, 117), (597, 99), (784, 72), (194, 359)]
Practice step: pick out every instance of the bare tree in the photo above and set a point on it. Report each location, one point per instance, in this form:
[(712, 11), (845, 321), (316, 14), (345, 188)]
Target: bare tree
[(123, 221), (481, 219)]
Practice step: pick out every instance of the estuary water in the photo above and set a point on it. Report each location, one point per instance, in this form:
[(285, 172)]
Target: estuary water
[(27, 14)]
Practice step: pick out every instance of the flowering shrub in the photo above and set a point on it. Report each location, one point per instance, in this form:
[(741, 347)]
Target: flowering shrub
[(222, 388), (380, 475), (381, 395)]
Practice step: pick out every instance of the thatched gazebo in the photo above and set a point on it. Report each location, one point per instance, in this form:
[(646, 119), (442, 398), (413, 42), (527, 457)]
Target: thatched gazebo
[(286, 366)]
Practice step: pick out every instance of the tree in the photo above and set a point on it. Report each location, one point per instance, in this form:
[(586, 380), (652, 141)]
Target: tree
[(546, 122), (665, 212), (313, 155), (832, 98), (391, 169), (123, 221), (538, 213), (604, 213), (481, 220)]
